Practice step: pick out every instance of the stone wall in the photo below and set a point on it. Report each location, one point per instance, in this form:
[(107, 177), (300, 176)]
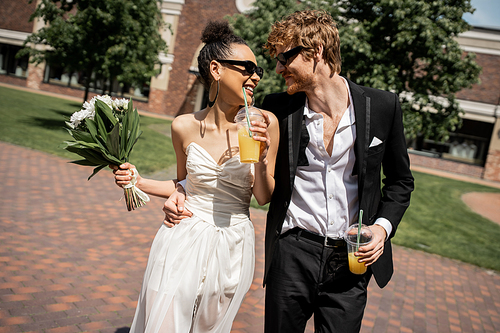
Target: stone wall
[(14, 80), (492, 167), (194, 17)]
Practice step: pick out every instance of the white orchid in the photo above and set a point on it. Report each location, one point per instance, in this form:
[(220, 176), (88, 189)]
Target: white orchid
[(120, 104), (78, 117), (88, 110)]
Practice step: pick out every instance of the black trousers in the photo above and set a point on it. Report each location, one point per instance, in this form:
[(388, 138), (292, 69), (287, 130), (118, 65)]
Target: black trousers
[(307, 278)]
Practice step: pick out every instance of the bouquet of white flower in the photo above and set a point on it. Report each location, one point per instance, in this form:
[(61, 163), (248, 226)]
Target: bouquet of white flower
[(104, 133)]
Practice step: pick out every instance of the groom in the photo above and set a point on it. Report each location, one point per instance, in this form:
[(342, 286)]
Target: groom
[(335, 138)]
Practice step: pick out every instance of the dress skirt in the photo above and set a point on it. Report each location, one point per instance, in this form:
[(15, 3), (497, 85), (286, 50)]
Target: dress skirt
[(196, 277)]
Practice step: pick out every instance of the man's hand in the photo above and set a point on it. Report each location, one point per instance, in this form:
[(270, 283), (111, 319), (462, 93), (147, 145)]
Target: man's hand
[(375, 248), (174, 208)]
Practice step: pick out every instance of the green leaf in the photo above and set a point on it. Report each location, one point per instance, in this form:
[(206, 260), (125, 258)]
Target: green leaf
[(134, 132), (124, 134), (134, 142), (130, 106), (84, 162), (88, 154), (81, 135), (104, 112), (96, 170), (83, 144), (102, 130), (113, 142), (110, 158), (92, 127)]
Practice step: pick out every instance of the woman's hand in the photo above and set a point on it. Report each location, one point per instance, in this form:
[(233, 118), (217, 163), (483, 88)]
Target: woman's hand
[(123, 173), (260, 133)]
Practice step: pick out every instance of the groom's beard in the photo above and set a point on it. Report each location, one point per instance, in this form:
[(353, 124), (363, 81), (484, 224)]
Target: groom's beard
[(300, 84)]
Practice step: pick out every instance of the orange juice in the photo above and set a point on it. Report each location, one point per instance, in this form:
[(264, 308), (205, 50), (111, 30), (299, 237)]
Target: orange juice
[(356, 238), (355, 266), (249, 148)]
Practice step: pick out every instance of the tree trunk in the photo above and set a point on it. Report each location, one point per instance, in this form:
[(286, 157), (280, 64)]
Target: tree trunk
[(87, 85), (86, 95), (69, 79)]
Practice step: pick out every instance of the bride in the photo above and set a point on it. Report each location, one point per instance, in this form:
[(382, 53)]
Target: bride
[(199, 271)]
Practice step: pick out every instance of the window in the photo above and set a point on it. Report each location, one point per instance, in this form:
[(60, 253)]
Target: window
[(9, 64), (469, 144), (60, 76)]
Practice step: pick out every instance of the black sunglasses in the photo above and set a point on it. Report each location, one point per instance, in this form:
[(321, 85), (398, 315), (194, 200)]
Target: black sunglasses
[(250, 67), (284, 56)]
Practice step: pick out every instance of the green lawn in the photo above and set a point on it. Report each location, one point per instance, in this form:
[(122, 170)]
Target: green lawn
[(37, 121), (436, 222)]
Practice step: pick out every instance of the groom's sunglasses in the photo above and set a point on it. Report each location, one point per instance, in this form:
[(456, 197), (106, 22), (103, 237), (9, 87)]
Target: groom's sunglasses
[(250, 67), (284, 56)]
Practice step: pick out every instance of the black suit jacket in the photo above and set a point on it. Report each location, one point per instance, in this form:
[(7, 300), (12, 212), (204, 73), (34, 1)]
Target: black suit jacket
[(377, 114)]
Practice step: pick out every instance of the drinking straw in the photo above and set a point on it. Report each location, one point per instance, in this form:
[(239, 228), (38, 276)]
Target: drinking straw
[(246, 112), (360, 220)]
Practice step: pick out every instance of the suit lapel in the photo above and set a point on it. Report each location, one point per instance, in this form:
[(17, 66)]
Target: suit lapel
[(362, 113), (294, 125)]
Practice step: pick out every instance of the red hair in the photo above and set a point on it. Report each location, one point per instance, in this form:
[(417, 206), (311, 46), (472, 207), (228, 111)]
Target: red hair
[(310, 29)]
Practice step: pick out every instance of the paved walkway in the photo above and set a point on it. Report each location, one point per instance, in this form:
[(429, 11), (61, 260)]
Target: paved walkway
[(72, 259)]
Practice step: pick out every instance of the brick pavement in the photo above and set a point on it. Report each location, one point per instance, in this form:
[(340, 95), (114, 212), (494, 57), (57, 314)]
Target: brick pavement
[(72, 259)]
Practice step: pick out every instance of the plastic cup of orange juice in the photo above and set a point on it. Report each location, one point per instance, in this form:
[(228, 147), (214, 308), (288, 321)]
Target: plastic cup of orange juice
[(351, 238), (249, 148)]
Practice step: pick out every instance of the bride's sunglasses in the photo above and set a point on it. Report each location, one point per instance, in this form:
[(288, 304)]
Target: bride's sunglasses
[(284, 56), (250, 67)]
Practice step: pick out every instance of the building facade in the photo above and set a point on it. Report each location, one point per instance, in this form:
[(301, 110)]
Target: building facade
[(473, 150)]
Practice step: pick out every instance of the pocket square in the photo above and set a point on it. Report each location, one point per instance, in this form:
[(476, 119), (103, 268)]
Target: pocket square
[(375, 142)]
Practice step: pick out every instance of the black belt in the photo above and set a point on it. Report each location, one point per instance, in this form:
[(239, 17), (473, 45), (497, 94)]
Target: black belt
[(323, 240)]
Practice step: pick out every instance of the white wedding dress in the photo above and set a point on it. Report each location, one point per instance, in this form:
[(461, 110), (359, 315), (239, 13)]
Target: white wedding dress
[(199, 271)]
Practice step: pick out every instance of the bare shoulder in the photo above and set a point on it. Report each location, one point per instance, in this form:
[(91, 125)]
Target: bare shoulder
[(186, 128), (183, 121)]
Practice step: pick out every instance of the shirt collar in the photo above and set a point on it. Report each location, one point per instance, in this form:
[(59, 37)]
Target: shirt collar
[(310, 114), (348, 118)]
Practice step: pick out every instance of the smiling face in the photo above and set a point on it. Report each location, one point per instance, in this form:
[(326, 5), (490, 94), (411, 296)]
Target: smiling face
[(234, 77), (317, 33), (298, 73)]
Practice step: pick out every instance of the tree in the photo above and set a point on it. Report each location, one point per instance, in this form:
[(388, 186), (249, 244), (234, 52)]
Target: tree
[(107, 40), (254, 28), (409, 47), (404, 46)]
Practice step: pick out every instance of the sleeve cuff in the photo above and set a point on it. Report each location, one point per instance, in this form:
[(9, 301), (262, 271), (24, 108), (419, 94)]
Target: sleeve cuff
[(384, 223), (182, 183)]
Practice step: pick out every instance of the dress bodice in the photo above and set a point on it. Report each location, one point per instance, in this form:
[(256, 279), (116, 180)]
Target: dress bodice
[(218, 194)]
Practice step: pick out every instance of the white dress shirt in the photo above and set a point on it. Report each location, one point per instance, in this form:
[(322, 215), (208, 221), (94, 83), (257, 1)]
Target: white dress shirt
[(325, 195)]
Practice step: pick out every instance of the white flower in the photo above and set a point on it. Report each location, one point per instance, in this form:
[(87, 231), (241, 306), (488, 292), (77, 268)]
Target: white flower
[(120, 104), (78, 117), (106, 99), (88, 110)]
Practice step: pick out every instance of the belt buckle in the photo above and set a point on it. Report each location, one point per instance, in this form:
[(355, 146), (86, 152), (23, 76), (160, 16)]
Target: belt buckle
[(334, 240)]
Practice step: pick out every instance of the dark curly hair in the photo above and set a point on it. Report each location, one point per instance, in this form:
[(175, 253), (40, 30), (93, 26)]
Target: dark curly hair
[(218, 38)]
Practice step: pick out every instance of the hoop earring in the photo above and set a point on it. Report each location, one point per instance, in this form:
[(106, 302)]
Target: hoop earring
[(211, 103)]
